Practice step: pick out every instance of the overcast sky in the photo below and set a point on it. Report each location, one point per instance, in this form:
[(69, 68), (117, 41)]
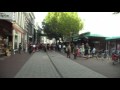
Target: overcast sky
[(96, 22), (104, 23), (40, 16)]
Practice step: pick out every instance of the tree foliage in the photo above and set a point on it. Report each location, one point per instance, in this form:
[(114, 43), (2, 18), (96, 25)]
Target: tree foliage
[(62, 24)]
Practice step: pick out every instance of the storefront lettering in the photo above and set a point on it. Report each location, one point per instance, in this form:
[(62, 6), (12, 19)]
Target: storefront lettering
[(4, 15)]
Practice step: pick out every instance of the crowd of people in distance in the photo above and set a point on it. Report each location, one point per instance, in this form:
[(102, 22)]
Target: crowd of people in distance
[(81, 50)]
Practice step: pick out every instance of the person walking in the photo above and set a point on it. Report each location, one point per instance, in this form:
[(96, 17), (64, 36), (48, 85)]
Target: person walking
[(30, 49), (45, 47), (75, 52), (93, 51), (60, 46), (78, 51), (64, 48), (87, 47), (68, 50), (82, 49), (20, 47), (34, 47)]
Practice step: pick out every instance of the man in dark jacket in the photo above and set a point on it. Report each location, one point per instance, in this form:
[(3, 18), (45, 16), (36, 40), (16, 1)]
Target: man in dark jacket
[(30, 49), (20, 47)]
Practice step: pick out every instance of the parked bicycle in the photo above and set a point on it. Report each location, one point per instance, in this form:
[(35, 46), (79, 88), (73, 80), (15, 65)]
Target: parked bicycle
[(102, 54)]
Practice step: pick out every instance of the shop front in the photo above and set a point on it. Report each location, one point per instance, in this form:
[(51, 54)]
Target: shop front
[(18, 36), (5, 38), (11, 34)]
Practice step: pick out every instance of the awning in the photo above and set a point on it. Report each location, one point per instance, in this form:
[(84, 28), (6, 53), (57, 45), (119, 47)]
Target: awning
[(94, 35), (89, 34), (111, 38)]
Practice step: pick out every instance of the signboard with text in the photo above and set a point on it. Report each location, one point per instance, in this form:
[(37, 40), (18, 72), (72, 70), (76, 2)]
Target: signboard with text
[(6, 15)]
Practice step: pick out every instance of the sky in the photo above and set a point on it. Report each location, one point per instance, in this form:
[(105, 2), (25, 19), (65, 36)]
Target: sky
[(104, 23), (39, 16)]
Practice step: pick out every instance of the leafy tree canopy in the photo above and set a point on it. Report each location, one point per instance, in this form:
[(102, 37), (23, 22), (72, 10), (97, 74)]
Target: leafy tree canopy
[(62, 24)]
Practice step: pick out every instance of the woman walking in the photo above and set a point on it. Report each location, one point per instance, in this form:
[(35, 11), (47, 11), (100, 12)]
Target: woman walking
[(87, 47), (82, 49), (75, 52), (68, 50)]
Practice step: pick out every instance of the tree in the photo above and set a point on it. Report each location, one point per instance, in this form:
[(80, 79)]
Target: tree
[(62, 24), (50, 30)]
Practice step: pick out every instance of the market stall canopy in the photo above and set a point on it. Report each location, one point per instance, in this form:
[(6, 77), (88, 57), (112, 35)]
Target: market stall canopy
[(89, 34), (94, 35), (110, 38)]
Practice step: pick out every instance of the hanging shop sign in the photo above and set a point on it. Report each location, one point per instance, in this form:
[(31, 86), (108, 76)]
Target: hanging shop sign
[(6, 15)]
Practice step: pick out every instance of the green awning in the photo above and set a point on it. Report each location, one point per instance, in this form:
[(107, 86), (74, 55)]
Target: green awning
[(110, 38), (94, 35), (88, 34)]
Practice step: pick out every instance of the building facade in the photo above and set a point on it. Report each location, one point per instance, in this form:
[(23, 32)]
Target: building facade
[(28, 28), (6, 28), (15, 28), (38, 37)]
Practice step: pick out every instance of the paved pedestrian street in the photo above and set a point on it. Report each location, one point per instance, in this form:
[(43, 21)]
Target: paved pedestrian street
[(9, 66), (54, 65), (38, 66), (102, 66)]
